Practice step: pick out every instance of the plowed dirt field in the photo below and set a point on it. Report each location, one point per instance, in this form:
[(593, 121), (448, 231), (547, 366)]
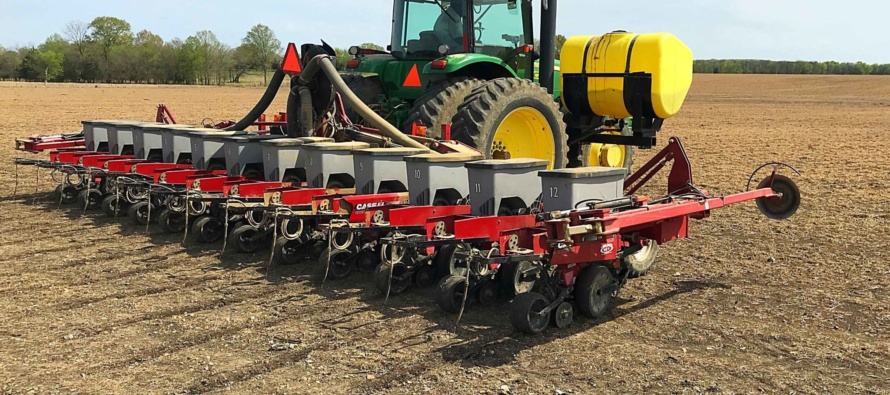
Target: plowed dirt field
[(90, 304)]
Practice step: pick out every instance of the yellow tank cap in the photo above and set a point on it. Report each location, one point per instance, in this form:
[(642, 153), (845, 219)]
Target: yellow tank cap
[(594, 70)]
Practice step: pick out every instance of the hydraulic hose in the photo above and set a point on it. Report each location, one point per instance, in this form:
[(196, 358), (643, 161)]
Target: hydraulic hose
[(263, 104), (323, 62)]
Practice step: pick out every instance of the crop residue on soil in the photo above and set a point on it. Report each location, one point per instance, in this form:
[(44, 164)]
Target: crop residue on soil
[(94, 305)]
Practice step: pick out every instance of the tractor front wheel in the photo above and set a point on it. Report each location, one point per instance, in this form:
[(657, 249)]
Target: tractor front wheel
[(513, 118)]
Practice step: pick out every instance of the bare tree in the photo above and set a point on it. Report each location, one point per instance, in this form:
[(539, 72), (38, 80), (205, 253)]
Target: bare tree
[(78, 33), (266, 45)]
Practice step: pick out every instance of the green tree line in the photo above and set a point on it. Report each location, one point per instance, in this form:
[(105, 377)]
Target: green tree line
[(751, 66), (106, 50)]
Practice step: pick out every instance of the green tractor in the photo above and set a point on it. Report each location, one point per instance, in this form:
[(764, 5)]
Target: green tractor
[(473, 64)]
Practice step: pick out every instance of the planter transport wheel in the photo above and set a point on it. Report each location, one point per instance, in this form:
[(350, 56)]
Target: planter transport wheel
[(640, 262)]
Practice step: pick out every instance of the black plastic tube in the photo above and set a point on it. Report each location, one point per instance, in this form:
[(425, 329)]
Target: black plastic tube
[(262, 105)]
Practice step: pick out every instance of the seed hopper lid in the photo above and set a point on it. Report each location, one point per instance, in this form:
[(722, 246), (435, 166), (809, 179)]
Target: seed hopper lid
[(445, 158), (506, 164), (247, 138), (183, 130), (296, 142), (584, 172), (344, 146), (116, 122), (162, 127), (206, 132), (397, 151)]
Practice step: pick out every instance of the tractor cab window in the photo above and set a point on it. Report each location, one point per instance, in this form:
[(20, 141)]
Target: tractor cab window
[(497, 26), (421, 26)]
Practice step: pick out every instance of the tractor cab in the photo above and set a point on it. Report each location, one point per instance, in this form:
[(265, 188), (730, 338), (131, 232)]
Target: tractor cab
[(431, 29)]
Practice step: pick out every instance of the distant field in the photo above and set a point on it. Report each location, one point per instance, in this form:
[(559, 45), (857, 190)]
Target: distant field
[(93, 305)]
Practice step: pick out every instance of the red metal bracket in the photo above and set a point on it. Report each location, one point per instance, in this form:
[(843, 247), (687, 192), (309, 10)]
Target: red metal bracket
[(680, 178)]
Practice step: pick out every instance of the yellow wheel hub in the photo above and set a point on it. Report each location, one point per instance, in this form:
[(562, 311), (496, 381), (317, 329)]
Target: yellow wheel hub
[(608, 155), (524, 133)]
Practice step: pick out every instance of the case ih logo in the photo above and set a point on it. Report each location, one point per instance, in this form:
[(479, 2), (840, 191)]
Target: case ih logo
[(606, 248), (365, 206)]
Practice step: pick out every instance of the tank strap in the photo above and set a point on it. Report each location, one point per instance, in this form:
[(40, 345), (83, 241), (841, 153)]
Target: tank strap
[(630, 51)]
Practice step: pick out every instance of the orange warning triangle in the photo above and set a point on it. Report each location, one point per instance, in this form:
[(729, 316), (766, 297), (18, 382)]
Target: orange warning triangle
[(291, 63), (413, 80)]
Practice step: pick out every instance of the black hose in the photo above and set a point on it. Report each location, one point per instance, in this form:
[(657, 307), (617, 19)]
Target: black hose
[(361, 108), (263, 104)]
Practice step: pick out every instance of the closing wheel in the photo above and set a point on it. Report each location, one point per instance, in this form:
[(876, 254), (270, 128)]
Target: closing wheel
[(450, 294), (401, 278), (288, 252), (513, 118), (340, 267), (316, 248), (439, 103), (367, 261), (138, 212), (779, 207), (563, 315), (94, 196), (425, 276), (592, 300), (640, 262), (245, 239), (525, 313), (171, 222), (68, 194), (207, 229), (488, 293), (114, 207)]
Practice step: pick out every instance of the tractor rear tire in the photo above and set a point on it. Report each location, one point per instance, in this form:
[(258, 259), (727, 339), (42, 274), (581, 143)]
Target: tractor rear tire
[(535, 128), (439, 103), (368, 89)]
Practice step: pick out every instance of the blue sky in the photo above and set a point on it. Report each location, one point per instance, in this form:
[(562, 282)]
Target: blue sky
[(851, 30)]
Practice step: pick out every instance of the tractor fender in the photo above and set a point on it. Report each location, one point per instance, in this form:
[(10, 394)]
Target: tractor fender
[(472, 65)]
